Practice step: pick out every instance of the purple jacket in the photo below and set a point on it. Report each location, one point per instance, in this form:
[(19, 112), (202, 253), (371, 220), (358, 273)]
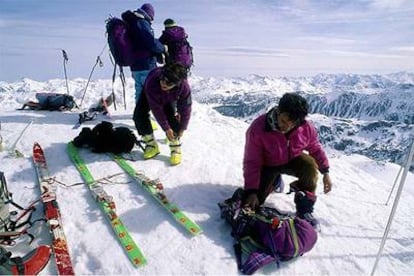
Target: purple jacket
[(273, 148), (142, 34), (172, 34), (179, 49), (158, 99)]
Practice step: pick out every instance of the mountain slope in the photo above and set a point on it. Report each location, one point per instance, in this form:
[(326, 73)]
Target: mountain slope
[(353, 215)]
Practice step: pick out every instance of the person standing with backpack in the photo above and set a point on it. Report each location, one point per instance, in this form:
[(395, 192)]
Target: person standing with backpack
[(168, 95), (275, 145), (179, 49), (146, 45)]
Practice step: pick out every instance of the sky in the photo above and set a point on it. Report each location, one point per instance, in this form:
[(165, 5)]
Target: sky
[(353, 215), (230, 38)]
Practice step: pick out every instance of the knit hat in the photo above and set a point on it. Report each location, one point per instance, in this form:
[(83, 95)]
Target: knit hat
[(149, 9), (169, 23)]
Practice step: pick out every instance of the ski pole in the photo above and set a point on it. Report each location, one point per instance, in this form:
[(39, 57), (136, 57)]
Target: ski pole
[(410, 158), (113, 85), (393, 186), (65, 60), (1, 140), (98, 61), (13, 150)]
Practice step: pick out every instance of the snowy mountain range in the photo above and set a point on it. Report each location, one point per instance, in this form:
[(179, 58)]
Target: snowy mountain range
[(372, 115), (353, 215)]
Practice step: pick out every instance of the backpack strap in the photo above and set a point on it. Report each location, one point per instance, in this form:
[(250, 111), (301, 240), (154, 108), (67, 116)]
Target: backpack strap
[(294, 236)]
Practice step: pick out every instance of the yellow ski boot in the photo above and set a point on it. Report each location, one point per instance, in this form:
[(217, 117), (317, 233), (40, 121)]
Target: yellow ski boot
[(175, 147), (151, 147)]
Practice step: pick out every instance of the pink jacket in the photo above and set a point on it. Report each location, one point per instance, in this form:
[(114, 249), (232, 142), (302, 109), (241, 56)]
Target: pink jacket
[(273, 148)]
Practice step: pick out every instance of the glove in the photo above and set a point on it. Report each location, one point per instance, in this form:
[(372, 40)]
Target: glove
[(252, 202)]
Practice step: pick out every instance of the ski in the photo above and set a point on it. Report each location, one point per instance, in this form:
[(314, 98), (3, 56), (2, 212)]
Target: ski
[(107, 205), (52, 213), (156, 190)]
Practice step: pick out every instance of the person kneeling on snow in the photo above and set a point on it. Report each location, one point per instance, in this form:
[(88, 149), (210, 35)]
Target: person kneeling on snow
[(275, 144), (168, 95)]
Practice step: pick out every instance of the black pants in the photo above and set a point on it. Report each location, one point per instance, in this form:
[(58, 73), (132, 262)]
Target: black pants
[(141, 116), (303, 167)]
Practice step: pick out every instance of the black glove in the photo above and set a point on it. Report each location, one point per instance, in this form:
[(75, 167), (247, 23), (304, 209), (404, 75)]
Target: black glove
[(252, 202)]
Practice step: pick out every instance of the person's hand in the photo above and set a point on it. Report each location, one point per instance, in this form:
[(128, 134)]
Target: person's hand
[(327, 183), (252, 202), (170, 134)]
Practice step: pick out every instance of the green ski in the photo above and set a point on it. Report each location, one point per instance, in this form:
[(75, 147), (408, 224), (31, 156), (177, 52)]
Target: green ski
[(156, 190), (108, 207)]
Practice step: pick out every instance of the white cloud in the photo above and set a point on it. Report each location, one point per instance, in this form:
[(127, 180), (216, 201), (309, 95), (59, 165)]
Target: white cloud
[(390, 4)]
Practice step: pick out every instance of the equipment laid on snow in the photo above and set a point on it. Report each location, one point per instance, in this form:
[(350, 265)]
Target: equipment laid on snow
[(102, 106), (107, 206), (52, 213), (5, 198), (10, 225), (105, 138), (51, 102), (266, 235), (30, 264), (156, 190)]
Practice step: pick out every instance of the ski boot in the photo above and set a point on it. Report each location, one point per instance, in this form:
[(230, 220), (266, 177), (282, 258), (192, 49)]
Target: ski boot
[(151, 147), (175, 147), (304, 201)]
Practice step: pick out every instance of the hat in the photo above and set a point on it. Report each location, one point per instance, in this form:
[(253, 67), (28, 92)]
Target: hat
[(149, 9), (169, 23)]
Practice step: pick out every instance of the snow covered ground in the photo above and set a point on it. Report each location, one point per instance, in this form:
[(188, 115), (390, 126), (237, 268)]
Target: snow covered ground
[(353, 215)]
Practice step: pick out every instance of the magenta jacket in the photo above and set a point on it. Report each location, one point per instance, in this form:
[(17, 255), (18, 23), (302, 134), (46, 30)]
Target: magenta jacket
[(273, 148), (158, 99)]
